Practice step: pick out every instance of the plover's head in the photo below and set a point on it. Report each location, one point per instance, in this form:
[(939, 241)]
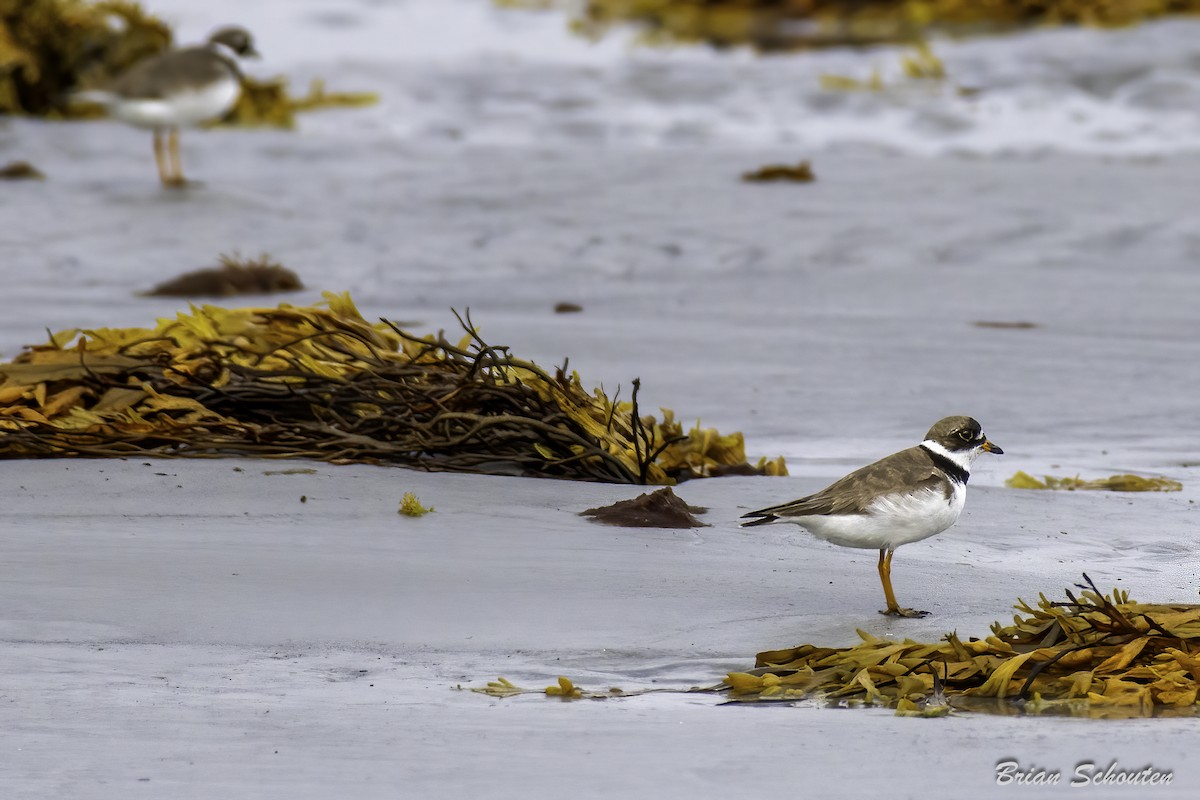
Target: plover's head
[(961, 436), (237, 41)]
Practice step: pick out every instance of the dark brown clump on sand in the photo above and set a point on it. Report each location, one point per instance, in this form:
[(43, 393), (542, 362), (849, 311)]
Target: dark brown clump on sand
[(21, 171), (229, 279), (798, 173), (661, 509)]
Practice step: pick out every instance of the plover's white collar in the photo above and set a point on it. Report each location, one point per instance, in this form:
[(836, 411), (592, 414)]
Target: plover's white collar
[(224, 50), (963, 459)]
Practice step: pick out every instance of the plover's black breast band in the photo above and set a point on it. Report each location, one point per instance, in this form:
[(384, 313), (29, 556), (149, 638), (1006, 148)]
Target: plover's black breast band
[(953, 471)]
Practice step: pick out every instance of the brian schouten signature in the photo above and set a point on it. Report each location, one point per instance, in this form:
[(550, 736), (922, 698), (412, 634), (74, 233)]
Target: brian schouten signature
[(1087, 773)]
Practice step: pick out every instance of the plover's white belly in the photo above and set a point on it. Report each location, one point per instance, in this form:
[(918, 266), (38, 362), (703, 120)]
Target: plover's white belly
[(890, 521), (179, 110)]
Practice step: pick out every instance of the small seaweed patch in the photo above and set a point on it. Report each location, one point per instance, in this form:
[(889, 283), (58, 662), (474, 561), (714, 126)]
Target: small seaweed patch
[(318, 98), (919, 65), (21, 171), (266, 103), (564, 689), (1005, 325), (798, 173), (1114, 483), (922, 64), (567, 690), (410, 506), (845, 83), (235, 276), (660, 509)]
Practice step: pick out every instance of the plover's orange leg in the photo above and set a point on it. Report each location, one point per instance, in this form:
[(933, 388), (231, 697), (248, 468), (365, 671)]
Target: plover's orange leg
[(160, 158), (885, 576), (176, 178)]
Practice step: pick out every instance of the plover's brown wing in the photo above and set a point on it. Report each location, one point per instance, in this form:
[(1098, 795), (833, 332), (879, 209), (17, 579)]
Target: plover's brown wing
[(907, 470), (162, 75)]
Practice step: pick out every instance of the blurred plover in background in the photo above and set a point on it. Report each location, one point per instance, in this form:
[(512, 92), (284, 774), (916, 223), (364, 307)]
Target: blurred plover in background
[(176, 89), (905, 497)]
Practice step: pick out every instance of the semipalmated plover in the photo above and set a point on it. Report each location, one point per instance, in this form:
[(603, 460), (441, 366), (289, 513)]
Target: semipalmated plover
[(179, 88), (906, 497)]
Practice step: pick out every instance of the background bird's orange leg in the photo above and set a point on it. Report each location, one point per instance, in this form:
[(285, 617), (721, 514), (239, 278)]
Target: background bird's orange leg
[(885, 576), (160, 157), (177, 178)]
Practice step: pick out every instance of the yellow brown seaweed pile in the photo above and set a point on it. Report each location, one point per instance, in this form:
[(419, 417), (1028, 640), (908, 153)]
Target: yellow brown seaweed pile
[(1089, 655), (794, 24), (322, 382), (51, 48), (1092, 655), (268, 103), (1113, 483)]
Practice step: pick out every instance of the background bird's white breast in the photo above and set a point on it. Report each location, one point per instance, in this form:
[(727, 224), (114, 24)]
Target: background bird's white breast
[(185, 108)]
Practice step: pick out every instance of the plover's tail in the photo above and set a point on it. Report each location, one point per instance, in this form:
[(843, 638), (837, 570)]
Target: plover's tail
[(758, 518)]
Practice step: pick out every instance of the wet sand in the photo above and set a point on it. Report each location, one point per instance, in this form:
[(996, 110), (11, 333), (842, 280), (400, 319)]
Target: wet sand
[(182, 628)]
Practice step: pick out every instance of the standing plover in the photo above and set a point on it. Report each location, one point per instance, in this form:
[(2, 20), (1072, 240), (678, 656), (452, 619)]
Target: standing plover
[(179, 88), (906, 497)]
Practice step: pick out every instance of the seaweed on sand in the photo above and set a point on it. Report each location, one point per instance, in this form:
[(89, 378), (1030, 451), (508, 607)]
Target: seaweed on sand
[(234, 276), (1113, 483), (21, 171), (323, 383), (795, 173), (660, 509), (1093, 655), (268, 103), (796, 24)]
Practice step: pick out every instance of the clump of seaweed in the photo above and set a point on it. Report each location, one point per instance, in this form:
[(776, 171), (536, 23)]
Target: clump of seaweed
[(21, 171), (322, 383), (660, 509), (923, 64), (234, 276), (267, 103), (919, 65), (1093, 655), (1114, 483), (410, 506), (1005, 325), (795, 173), (795, 24)]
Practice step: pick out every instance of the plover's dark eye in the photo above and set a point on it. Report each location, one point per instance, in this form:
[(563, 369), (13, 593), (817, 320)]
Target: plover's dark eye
[(966, 436)]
